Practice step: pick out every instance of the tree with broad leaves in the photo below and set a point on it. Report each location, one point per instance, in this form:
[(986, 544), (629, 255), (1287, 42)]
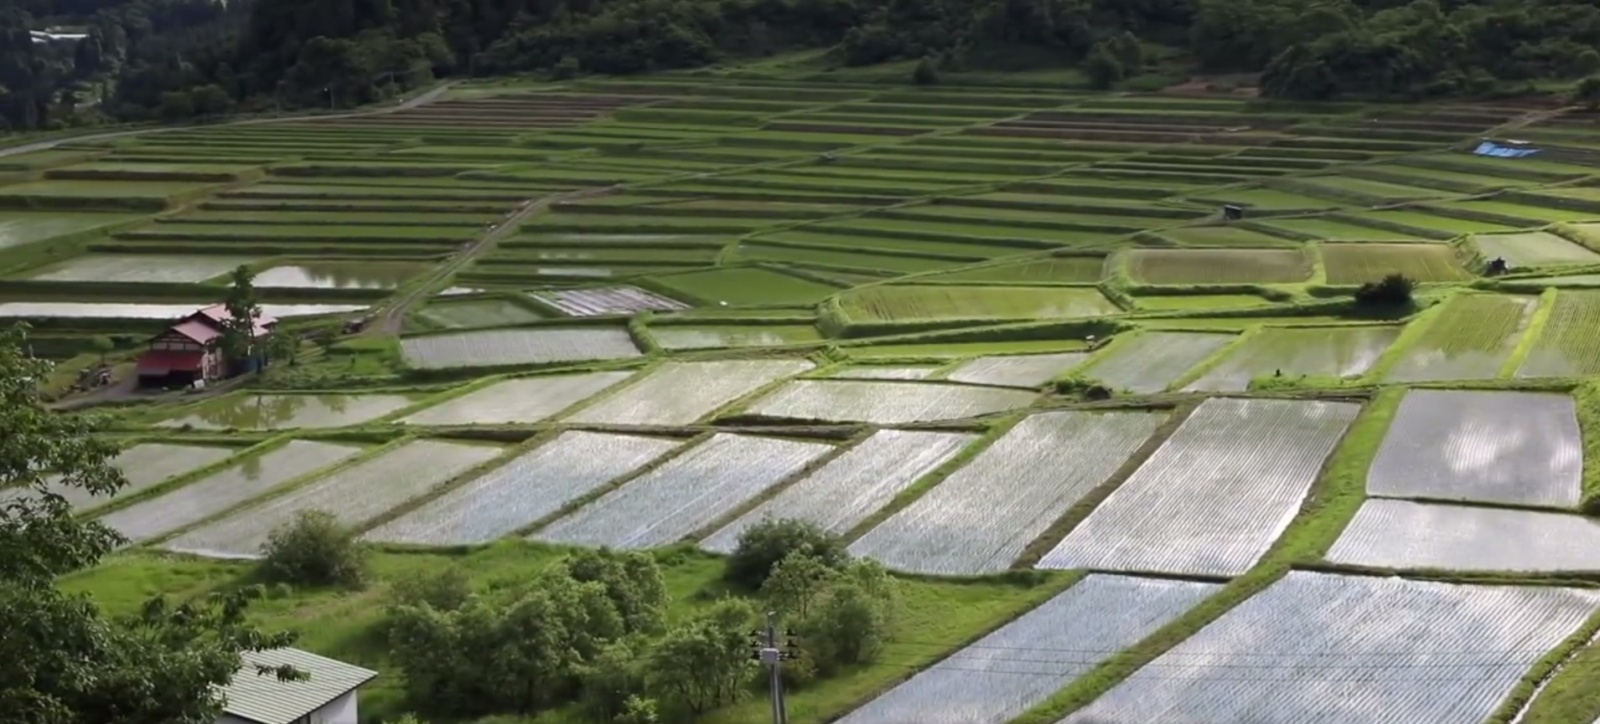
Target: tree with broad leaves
[(64, 662), (238, 330)]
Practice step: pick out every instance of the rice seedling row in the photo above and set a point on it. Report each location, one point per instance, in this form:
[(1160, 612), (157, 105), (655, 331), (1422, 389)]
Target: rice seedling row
[(1012, 669), (527, 400), (885, 402), (981, 518), (1215, 495), (679, 393), (1150, 361), (526, 489), (684, 494), (1030, 370), (1318, 647), (1494, 447), (745, 286), (220, 491), (498, 347), (928, 302), (1218, 266), (1325, 351), (1533, 248), (353, 496), (1362, 263), (1567, 346), (1471, 338), (851, 487), (1052, 270)]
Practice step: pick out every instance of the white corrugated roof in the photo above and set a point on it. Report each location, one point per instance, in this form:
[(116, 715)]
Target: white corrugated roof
[(263, 698)]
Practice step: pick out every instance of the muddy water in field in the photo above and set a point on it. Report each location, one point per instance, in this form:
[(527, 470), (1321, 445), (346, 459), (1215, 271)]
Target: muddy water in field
[(269, 412), (339, 275)]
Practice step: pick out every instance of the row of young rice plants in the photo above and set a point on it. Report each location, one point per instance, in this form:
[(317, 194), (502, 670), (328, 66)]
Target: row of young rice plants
[(886, 402), (1246, 465), (353, 495), (1048, 270), (1025, 370), (686, 493), (929, 302), (1218, 266), (1361, 263), (1454, 656), (1150, 361), (1314, 351), (1470, 337), (224, 489), (850, 488), (981, 518), (1411, 535), (745, 286), (1533, 249), (680, 393), (1018, 665), (1566, 345), (145, 466), (526, 400), (526, 489)]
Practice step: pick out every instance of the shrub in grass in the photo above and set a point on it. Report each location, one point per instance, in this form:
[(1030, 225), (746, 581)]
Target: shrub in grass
[(314, 549), (446, 590), (763, 545), (925, 73), (1393, 290)]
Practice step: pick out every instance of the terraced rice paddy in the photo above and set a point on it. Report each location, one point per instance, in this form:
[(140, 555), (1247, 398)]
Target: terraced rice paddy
[(1361, 263), (885, 402), (680, 393), (529, 400), (1533, 249), (499, 347), (851, 487), (1218, 266), (1053, 270), (281, 412), (145, 466), (478, 313), (1150, 361), (1471, 338), (1506, 447), (722, 336), (686, 493), (353, 496), (745, 286), (220, 491), (19, 228), (606, 300), (526, 489), (981, 518), (339, 275), (1026, 370), (903, 303), (1340, 631), (1567, 346), (122, 310), (1403, 534), (989, 683), (138, 268), (883, 372), (1321, 351), (1331, 230), (1215, 495)]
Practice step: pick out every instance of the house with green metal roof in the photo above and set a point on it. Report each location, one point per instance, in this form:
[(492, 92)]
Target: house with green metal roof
[(327, 695)]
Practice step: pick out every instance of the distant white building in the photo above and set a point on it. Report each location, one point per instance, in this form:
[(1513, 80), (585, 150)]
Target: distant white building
[(328, 696), (48, 36)]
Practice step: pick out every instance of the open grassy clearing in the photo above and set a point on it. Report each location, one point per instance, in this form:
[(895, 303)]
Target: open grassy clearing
[(1218, 266), (1362, 263), (982, 517), (1471, 337), (1244, 466)]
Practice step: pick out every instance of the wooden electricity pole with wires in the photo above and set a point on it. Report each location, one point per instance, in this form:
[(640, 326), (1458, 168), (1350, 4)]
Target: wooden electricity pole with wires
[(767, 649)]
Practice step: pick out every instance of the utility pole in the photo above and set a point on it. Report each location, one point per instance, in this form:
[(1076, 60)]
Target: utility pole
[(768, 653)]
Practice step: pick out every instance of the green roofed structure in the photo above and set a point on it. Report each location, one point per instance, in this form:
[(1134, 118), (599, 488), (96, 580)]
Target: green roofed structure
[(326, 696)]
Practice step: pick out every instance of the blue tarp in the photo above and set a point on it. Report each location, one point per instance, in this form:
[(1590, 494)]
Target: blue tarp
[(1490, 148)]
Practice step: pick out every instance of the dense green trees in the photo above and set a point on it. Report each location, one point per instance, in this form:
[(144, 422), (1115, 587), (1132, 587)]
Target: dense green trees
[(64, 663), (175, 59)]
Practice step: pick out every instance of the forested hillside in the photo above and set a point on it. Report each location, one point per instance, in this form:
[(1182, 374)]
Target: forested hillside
[(144, 59)]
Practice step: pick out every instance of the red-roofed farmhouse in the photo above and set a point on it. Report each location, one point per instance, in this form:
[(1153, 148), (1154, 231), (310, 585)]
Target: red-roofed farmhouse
[(191, 350)]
